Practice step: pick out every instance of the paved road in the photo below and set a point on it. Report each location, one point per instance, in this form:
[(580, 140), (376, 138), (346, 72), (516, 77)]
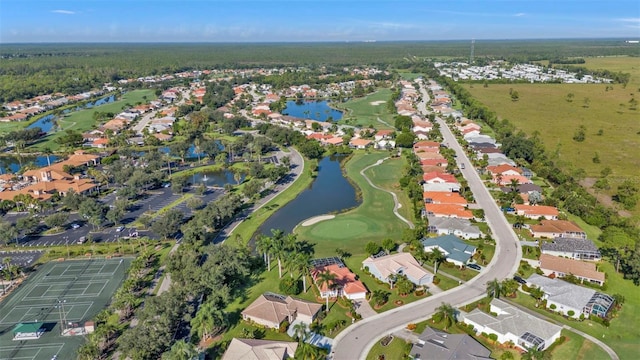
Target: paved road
[(297, 167), (356, 341)]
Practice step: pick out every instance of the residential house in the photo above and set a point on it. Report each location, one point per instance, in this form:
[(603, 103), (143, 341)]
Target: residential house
[(537, 211), (337, 141), (512, 324), (560, 267), (567, 297), (504, 170), (459, 227), (523, 188), (499, 159), (447, 210), (386, 268), (436, 344), (254, 349), (359, 143), (385, 144), (440, 161), (552, 229), (345, 283), (383, 135), (448, 186), (426, 145), (456, 250), (441, 197), (271, 310), (433, 168), (572, 248), (439, 178), (505, 180)]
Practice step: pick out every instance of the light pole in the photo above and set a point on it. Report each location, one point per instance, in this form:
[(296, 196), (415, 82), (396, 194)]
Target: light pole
[(66, 241)]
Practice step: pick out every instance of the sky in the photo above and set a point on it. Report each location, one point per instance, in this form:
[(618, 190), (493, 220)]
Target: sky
[(27, 21)]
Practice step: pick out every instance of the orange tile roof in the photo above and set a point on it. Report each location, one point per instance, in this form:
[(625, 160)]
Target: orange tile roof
[(506, 179), (500, 169), (556, 226), (360, 142), (440, 197), (434, 175), (450, 210), (343, 277), (426, 144), (433, 168), (423, 155), (436, 162)]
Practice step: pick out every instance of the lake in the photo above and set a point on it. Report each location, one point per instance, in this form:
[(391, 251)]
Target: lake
[(46, 122), (11, 164), (313, 110), (329, 192)]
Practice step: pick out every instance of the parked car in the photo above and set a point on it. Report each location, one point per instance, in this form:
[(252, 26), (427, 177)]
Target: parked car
[(75, 225), (119, 228), (474, 267), (520, 280)]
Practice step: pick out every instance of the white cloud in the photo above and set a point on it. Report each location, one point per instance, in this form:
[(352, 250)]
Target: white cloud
[(66, 12), (519, 14)]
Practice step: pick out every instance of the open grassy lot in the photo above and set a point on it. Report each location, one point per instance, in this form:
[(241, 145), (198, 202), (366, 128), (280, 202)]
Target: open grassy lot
[(365, 113), (395, 350), (623, 333), (544, 108), (85, 287), (83, 120), (578, 348), (373, 220)]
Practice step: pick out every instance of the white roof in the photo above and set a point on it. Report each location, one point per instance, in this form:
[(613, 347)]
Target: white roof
[(562, 292)]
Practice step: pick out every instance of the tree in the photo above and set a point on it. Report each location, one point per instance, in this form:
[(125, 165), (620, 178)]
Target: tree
[(509, 287), (437, 257), (404, 285), (209, 321), (114, 215), (617, 243), (580, 134), (570, 97), (403, 123), (27, 224), (168, 224), (181, 350), (515, 96), (536, 293), (195, 203), (388, 245), (627, 194), (88, 351), (56, 220), (299, 262), (494, 289), (300, 332), (405, 139), (534, 353), (535, 197), (326, 278), (263, 245), (379, 297), (372, 248), (312, 149), (447, 313)]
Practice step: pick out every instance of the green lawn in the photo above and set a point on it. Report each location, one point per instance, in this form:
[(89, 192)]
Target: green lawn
[(623, 333), (386, 176), (578, 348), (409, 75), (364, 113), (83, 120), (373, 220), (395, 350)]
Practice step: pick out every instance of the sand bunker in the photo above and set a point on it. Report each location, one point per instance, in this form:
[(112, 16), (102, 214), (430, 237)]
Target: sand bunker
[(376, 103), (317, 219)]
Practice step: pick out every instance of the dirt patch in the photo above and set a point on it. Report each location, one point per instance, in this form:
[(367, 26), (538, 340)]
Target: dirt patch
[(604, 199)]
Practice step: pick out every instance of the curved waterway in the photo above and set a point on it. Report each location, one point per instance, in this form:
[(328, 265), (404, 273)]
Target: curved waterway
[(330, 192)]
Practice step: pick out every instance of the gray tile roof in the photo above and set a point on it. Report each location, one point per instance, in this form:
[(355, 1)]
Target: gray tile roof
[(562, 292), (513, 320), (455, 248), (435, 344), (570, 245), (463, 225)]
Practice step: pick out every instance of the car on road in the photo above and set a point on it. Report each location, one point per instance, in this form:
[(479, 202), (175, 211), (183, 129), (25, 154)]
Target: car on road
[(75, 225), (520, 280), (119, 228), (461, 165), (474, 267)]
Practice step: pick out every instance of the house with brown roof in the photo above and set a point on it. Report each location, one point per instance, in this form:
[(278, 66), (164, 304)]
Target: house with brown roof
[(271, 310), (425, 145), (537, 211), (333, 141), (552, 229), (505, 180), (359, 143), (503, 170), (383, 134), (434, 162), (345, 283), (386, 268), (255, 349), (560, 267), (436, 177)]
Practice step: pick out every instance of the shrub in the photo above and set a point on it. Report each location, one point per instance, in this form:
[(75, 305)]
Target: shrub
[(552, 306), (290, 286), (571, 313), (283, 326), (412, 327), (436, 280), (493, 337)]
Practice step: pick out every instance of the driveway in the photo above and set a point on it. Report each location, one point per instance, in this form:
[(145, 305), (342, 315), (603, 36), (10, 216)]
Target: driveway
[(356, 341)]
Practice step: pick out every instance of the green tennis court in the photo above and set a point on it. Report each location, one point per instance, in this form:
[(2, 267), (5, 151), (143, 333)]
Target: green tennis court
[(67, 292)]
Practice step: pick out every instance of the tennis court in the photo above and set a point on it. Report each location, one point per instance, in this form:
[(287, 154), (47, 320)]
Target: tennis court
[(66, 292)]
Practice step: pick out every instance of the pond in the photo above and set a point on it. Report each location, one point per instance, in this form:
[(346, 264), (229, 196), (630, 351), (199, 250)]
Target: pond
[(12, 164), (215, 178), (313, 110), (46, 123), (329, 192)]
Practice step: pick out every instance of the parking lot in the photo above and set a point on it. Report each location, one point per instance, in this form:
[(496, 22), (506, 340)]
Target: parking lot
[(21, 258)]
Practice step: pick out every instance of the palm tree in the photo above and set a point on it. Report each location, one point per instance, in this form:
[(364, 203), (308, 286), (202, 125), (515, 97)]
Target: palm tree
[(209, 321), (379, 297), (437, 257), (494, 289), (181, 350), (537, 294), (509, 287), (514, 184), (300, 332), (535, 354), (327, 278), (447, 313), (88, 351), (264, 244), (299, 262)]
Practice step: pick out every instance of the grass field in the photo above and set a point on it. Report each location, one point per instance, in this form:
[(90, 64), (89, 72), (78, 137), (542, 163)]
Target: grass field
[(365, 113), (373, 220), (544, 108), (576, 347), (84, 286), (83, 120)]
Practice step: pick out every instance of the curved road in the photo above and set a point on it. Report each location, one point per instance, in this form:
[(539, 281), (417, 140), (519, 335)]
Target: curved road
[(356, 341), (396, 203)]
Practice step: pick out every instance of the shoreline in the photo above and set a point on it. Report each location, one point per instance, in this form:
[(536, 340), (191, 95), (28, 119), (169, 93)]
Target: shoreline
[(316, 219)]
